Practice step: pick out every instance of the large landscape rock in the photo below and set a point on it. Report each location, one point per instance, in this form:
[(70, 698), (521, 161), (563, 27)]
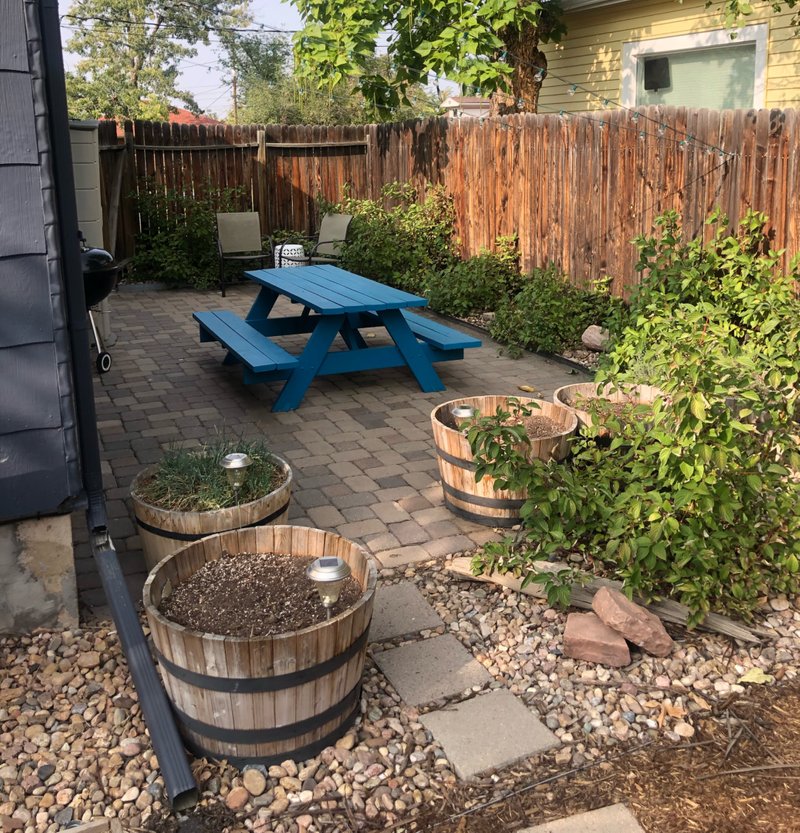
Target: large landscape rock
[(595, 338), (634, 622), (586, 637)]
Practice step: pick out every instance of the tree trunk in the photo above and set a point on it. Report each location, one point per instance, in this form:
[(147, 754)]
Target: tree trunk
[(529, 66)]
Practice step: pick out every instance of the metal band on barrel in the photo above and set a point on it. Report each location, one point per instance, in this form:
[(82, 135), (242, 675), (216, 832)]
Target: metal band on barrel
[(286, 732), (254, 685), (194, 536)]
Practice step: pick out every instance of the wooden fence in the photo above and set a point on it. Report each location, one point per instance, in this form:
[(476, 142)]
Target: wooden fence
[(575, 190)]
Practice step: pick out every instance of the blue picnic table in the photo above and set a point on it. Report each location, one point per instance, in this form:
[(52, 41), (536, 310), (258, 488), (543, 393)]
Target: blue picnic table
[(335, 302)]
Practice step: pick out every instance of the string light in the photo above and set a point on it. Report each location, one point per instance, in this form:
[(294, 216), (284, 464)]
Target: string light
[(573, 89), (635, 117)]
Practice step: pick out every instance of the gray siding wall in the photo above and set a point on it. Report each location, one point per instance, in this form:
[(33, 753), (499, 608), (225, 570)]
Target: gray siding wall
[(39, 467)]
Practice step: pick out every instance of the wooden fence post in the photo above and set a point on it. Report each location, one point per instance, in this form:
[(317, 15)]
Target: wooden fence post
[(261, 179)]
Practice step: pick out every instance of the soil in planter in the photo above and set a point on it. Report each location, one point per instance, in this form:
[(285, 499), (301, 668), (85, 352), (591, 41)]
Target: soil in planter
[(537, 425), (252, 594)]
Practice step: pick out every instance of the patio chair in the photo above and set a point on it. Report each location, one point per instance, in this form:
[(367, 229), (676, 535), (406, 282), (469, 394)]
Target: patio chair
[(327, 248), (239, 240)]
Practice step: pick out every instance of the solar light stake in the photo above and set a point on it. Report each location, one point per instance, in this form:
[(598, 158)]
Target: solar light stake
[(329, 574), (235, 466)]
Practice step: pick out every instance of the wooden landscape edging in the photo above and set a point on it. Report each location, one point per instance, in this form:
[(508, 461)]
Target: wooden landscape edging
[(574, 194), (581, 596)]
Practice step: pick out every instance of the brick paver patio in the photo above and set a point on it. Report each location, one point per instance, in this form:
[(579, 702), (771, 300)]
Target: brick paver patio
[(360, 445)]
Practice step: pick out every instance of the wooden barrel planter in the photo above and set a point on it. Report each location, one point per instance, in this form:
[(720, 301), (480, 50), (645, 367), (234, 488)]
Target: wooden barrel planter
[(574, 397), (163, 531), (480, 501), (267, 698)]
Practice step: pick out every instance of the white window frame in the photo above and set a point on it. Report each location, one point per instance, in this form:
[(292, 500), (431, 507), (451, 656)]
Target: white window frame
[(634, 51)]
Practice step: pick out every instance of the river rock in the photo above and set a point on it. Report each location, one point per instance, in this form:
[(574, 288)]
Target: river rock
[(88, 660), (254, 781), (237, 798)]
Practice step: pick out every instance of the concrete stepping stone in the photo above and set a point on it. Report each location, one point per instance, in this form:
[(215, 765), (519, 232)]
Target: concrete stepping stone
[(400, 609), (616, 818), (430, 669), (489, 731)]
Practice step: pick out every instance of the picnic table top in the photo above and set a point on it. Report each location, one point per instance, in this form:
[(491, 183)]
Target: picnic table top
[(330, 290)]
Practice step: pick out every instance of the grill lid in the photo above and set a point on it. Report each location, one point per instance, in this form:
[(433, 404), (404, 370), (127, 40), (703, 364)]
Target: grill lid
[(96, 260)]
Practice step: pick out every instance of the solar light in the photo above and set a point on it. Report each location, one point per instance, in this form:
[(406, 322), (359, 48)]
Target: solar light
[(235, 466), (329, 574), (460, 412)]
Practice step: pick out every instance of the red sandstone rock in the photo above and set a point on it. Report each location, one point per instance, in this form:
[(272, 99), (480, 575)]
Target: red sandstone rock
[(587, 638), (634, 622)]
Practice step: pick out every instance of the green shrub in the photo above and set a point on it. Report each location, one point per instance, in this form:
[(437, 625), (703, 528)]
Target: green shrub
[(478, 284), (401, 244), (699, 497), (177, 242), (550, 314)]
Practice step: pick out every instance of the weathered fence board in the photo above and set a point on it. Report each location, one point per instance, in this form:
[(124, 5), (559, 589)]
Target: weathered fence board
[(575, 190)]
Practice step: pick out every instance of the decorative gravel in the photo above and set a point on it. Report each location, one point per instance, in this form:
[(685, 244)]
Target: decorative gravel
[(73, 745)]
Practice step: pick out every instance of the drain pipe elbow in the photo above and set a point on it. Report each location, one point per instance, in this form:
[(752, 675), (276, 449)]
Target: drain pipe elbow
[(167, 744)]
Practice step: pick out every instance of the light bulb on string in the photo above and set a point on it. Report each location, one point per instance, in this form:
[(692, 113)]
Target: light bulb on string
[(605, 102), (539, 77), (572, 90), (662, 130), (635, 117), (642, 135)]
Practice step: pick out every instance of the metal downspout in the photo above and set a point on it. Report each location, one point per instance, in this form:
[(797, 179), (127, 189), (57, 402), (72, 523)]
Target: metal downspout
[(167, 744)]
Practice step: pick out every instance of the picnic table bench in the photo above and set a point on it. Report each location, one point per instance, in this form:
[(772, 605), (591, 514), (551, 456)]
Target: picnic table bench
[(335, 302)]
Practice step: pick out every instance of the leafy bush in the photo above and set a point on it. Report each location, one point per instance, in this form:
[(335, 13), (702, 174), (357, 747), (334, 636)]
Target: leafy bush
[(177, 241), (478, 284), (399, 245), (550, 314), (699, 497)]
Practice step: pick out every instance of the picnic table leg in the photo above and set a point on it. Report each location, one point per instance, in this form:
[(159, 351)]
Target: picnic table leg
[(263, 304), (411, 350), (308, 363), (349, 332)]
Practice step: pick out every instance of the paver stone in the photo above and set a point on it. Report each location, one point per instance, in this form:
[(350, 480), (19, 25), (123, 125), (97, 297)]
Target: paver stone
[(400, 609), (616, 818), (430, 669), (488, 732)]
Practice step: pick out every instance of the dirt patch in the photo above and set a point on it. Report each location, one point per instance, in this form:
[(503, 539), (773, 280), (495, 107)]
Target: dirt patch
[(252, 594), (740, 772)]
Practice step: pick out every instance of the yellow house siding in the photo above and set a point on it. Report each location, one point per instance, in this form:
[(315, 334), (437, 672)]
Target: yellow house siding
[(591, 53)]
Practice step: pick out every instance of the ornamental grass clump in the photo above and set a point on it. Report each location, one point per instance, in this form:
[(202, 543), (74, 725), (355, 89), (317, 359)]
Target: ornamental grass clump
[(698, 499), (193, 480)]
